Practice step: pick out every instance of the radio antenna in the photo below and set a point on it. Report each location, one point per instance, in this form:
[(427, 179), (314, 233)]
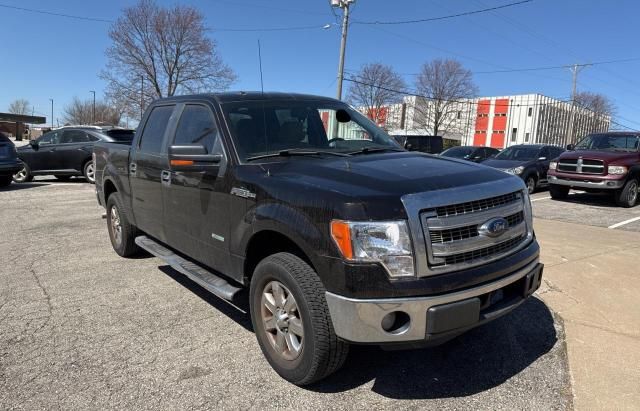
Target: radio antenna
[(260, 61), (264, 114)]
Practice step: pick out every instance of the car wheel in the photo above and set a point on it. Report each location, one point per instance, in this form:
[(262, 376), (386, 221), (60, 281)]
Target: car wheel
[(291, 320), (628, 196), (121, 233), (63, 178), (90, 172), (24, 175), (530, 181), (5, 180), (558, 192)]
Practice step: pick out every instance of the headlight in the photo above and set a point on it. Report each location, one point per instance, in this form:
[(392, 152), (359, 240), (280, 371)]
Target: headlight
[(618, 170), (518, 170), (553, 165), (386, 242)]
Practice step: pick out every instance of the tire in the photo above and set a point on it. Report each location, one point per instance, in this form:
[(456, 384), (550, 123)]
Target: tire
[(24, 175), (63, 178), (121, 233), (320, 352), (89, 172), (5, 180), (531, 182), (627, 196), (558, 192)]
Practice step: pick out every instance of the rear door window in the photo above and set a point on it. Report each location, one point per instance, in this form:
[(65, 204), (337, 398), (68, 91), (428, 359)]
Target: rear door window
[(74, 136), (197, 126), (153, 134)]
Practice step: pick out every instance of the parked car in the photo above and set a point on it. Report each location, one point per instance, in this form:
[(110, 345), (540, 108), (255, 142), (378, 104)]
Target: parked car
[(471, 153), (425, 144), (339, 239), (65, 152), (9, 162), (528, 161), (604, 162)]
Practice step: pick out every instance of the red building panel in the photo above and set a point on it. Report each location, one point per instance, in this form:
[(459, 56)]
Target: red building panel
[(497, 140), (484, 106), (479, 139), (502, 106), (499, 123)]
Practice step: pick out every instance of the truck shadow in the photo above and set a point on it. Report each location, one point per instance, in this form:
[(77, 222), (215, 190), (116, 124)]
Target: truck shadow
[(479, 360), (23, 186), (592, 199)]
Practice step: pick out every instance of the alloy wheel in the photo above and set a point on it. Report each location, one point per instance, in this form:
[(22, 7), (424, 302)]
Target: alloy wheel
[(633, 192), (90, 172), (116, 226), (282, 320), (21, 175), (531, 184)]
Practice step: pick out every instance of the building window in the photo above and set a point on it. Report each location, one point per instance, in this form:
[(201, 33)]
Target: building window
[(514, 134), (500, 114), (530, 111), (526, 136), (459, 115)]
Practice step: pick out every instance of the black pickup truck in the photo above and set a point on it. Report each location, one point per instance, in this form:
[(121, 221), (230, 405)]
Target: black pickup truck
[(340, 235)]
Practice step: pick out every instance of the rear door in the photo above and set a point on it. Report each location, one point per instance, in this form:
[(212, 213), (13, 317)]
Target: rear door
[(145, 167), (74, 149), (196, 201)]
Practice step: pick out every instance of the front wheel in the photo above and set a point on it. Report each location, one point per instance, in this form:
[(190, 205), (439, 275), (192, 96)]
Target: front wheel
[(24, 175), (627, 196), (558, 192), (292, 322), (90, 172), (530, 181)]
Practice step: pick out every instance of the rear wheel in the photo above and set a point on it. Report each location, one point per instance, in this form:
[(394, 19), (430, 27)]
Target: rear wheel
[(24, 175), (90, 172), (121, 233), (291, 320), (5, 180), (628, 195), (558, 192)]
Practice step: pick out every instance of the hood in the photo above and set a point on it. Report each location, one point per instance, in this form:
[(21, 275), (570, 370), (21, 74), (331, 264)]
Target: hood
[(385, 174), (606, 155), (495, 163)]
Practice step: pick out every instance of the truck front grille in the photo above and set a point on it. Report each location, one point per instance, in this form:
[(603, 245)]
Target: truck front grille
[(454, 239), (581, 166)]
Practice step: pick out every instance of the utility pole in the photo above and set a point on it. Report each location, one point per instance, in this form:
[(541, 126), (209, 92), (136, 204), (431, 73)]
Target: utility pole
[(344, 5), (51, 113), (93, 115), (575, 69)]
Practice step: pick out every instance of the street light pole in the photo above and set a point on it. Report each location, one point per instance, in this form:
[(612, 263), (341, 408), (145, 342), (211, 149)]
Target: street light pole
[(344, 5), (51, 112), (93, 115)]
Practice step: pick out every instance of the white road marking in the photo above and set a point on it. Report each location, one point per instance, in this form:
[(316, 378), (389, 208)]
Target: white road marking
[(540, 198), (625, 222)]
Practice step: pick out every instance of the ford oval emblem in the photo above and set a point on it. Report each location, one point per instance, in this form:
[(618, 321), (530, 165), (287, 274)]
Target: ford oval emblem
[(494, 227)]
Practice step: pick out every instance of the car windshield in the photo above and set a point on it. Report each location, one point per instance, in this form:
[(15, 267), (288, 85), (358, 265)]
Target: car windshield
[(617, 142), (518, 153), (262, 128), (457, 152)]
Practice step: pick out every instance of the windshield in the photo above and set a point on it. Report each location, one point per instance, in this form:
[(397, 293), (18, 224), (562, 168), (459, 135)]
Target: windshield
[(615, 142), (457, 152), (261, 128), (518, 153)]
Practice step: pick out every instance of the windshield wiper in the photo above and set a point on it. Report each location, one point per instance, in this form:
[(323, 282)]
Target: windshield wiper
[(296, 152), (367, 150)]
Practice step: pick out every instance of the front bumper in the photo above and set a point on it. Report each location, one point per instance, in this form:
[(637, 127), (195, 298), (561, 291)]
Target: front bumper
[(435, 317), (582, 182)]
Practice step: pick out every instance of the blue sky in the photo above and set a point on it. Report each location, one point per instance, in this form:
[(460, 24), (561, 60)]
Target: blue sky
[(56, 57)]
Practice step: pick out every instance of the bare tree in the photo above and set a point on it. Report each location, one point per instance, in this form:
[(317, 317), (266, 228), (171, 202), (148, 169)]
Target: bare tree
[(81, 112), (20, 106), (377, 85), (158, 52), (442, 87), (598, 103)]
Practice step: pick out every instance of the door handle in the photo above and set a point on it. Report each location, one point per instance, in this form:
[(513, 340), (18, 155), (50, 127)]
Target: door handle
[(165, 176), (133, 167)]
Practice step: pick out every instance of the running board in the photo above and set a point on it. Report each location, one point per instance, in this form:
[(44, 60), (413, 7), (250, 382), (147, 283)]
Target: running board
[(197, 274)]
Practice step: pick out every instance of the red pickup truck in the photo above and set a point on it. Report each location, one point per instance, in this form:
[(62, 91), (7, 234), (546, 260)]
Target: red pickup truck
[(599, 162)]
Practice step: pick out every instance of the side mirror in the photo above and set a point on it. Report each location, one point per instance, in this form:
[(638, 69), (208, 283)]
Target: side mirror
[(542, 158), (408, 147), (192, 158), (34, 144), (571, 147)]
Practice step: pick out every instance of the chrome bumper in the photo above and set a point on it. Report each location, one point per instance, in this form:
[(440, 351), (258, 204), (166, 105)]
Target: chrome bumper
[(360, 321), (603, 184)]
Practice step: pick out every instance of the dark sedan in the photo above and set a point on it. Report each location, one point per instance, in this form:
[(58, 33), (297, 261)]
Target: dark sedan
[(9, 162), (471, 153), (65, 152), (529, 161)]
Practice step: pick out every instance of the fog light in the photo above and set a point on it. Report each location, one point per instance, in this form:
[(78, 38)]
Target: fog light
[(611, 183), (396, 322)]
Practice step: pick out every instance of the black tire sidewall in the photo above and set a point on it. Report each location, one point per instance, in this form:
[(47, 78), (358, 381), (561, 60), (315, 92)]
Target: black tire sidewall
[(621, 195), (28, 177), (526, 182), (558, 192), (114, 201), (84, 172), (296, 370)]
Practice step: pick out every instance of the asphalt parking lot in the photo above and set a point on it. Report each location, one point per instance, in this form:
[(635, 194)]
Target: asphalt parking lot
[(82, 328)]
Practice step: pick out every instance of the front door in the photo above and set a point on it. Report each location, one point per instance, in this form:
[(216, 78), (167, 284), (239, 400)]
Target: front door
[(543, 165), (145, 167), (196, 202), (44, 156)]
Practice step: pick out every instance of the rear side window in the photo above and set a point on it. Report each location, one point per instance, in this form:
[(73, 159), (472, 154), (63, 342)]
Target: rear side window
[(196, 127), (151, 140), (76, 136)]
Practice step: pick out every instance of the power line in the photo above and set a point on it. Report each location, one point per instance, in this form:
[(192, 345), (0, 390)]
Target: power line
[(298, 28), (51, 13), (467, 13)]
